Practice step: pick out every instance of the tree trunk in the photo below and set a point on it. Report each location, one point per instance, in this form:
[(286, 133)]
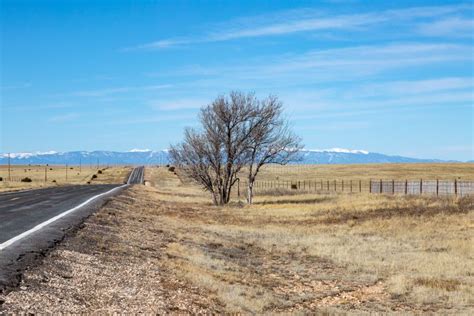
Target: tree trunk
[(250, 192), (214, 198)]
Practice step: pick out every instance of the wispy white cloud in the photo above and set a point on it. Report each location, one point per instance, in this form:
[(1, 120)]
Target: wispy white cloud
[(178, 104), (64, 118), (328, 65), (16, 86), (118, 90), (162, 44), (306, 20), (452, 26), (397, 88), (335, 125), (183, 119)]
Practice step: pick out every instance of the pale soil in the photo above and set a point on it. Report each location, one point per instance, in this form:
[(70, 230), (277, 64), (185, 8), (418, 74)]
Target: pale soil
[(163, 248), (56, 176)]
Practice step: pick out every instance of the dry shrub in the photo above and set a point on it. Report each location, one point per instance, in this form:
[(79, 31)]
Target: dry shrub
[(466, 203), (26, 179), (399, 285), (447, 285), (277, 192)]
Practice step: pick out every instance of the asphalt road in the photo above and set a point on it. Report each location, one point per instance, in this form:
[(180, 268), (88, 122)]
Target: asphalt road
[(23, 210), (33, 221), (136, 177)]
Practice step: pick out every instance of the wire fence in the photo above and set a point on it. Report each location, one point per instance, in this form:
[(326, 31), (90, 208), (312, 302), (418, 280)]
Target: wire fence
[(404, 187)]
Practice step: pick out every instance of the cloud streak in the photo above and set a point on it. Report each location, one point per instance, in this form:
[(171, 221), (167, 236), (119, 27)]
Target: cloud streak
[(305, 20), (118, 90), (63, 118), (453, 27)]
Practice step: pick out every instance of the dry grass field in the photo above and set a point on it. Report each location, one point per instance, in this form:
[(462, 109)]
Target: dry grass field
[(433, 171), (164, 248), (56, 175)]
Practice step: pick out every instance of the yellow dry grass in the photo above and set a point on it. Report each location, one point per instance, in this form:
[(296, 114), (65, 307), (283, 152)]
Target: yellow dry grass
[(415, 171), (56, 175), (307, 253), (379, 253)]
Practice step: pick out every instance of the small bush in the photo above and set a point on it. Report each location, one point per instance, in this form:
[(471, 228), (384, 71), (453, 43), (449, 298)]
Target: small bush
[(71, 168), (294, 186), (167, 166), (94, 176), (54, 181), (99, 172), (50, 168), (88, 182), (1, 179), (26, 179), (171, 169)]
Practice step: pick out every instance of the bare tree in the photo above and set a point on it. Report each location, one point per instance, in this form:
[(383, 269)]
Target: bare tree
[(214, 156), (271, 141), (237, 131)]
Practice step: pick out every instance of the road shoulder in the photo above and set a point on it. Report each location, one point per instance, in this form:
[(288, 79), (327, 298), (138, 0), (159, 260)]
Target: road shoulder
[(114, 263), (28, 251)]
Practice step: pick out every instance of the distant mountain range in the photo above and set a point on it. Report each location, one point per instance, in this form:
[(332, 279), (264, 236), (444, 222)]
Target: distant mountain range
[(146, 157)]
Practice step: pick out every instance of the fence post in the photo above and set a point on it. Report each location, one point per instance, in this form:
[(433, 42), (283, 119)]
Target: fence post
[(455, 186), (381, 186), (393, 187), (335, 185), (45, 174), (406, 186), (351, 186), (360, 186), (238, 188), (342, 185), (437, 187), (299, 185), (370, 186), (421, 186), (328, 185)]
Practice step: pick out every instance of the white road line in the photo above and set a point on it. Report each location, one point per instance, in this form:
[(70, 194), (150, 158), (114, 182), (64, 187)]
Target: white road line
[(55, 218)]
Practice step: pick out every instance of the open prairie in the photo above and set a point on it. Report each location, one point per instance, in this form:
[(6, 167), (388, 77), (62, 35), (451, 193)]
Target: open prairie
[(163, 247), (45, 176), (396, 171)]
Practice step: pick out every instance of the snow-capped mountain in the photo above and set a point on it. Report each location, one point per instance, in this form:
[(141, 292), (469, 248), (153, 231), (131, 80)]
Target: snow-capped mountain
[(146, 157), (350, 156), (134, 157)]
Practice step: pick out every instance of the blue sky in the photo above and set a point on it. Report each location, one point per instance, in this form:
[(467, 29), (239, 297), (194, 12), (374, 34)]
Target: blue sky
[(394, 77)]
